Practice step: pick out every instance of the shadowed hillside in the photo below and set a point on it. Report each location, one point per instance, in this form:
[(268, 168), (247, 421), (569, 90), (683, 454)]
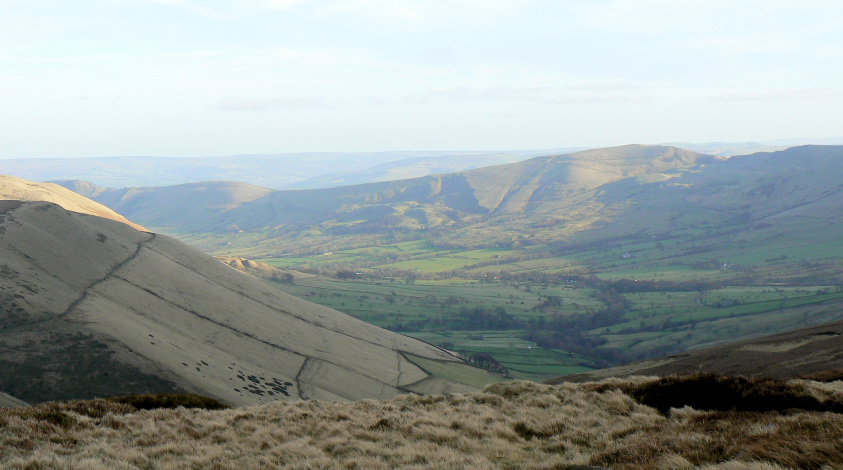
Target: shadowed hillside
[(195, 206), (804, 351)]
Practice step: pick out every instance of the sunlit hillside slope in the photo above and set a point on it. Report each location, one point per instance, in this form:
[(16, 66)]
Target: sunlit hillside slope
[(12, 188), (93, 307)]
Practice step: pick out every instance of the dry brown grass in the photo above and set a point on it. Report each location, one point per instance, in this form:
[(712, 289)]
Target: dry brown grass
[(824, 376), (510, 425)]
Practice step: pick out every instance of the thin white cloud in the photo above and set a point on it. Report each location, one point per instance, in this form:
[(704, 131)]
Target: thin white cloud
[(776, 94), (280, 4), (401, 10), (414, 12), (834, 51), (609, 91), (264, 104), (191, 7), (737, 45)]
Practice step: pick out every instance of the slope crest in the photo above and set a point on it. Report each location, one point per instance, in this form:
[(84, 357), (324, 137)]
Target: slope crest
[(12, 188)]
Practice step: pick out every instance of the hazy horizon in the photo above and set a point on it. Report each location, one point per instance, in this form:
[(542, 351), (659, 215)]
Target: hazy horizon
[(184, 78), (411, 153)]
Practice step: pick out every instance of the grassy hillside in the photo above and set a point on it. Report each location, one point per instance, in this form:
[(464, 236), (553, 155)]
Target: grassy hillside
[(93, 307), (185, 207), (560, 264), (705, 422)]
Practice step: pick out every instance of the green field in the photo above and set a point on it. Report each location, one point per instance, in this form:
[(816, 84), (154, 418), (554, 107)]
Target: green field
[(653, 321), (528, 306)]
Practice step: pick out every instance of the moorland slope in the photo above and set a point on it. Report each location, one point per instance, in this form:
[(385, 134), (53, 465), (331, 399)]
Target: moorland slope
[(93, 307), (802, 352)]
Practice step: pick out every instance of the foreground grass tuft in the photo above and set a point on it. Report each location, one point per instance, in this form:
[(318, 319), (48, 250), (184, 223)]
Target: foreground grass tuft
[(824, 376), (508, 425)]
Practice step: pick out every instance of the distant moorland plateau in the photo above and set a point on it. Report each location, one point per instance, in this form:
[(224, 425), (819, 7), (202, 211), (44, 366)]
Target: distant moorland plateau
[(286, 171), (297, 170)]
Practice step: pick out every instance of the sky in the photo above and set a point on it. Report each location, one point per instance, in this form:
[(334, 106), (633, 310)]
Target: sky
[(87, 78)]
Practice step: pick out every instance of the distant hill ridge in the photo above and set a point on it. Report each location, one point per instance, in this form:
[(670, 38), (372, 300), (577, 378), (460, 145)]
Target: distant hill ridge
[(441, 199), (280, 171), (600, 193)]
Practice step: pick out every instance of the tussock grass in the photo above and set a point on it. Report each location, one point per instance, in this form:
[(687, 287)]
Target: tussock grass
[(508, 425), (824, 376)]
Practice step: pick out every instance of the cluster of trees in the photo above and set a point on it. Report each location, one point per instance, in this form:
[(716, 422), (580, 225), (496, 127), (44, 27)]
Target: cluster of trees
[(485, 361), (465, 319), (570, 332)]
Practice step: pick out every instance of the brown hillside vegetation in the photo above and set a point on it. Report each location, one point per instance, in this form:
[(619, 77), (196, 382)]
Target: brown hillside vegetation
[(508, 425)]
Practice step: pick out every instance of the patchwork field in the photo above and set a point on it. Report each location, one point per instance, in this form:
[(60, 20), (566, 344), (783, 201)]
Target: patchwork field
[(495, 301)]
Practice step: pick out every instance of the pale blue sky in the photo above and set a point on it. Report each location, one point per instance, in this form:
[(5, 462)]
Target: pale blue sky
[(191, 78)]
